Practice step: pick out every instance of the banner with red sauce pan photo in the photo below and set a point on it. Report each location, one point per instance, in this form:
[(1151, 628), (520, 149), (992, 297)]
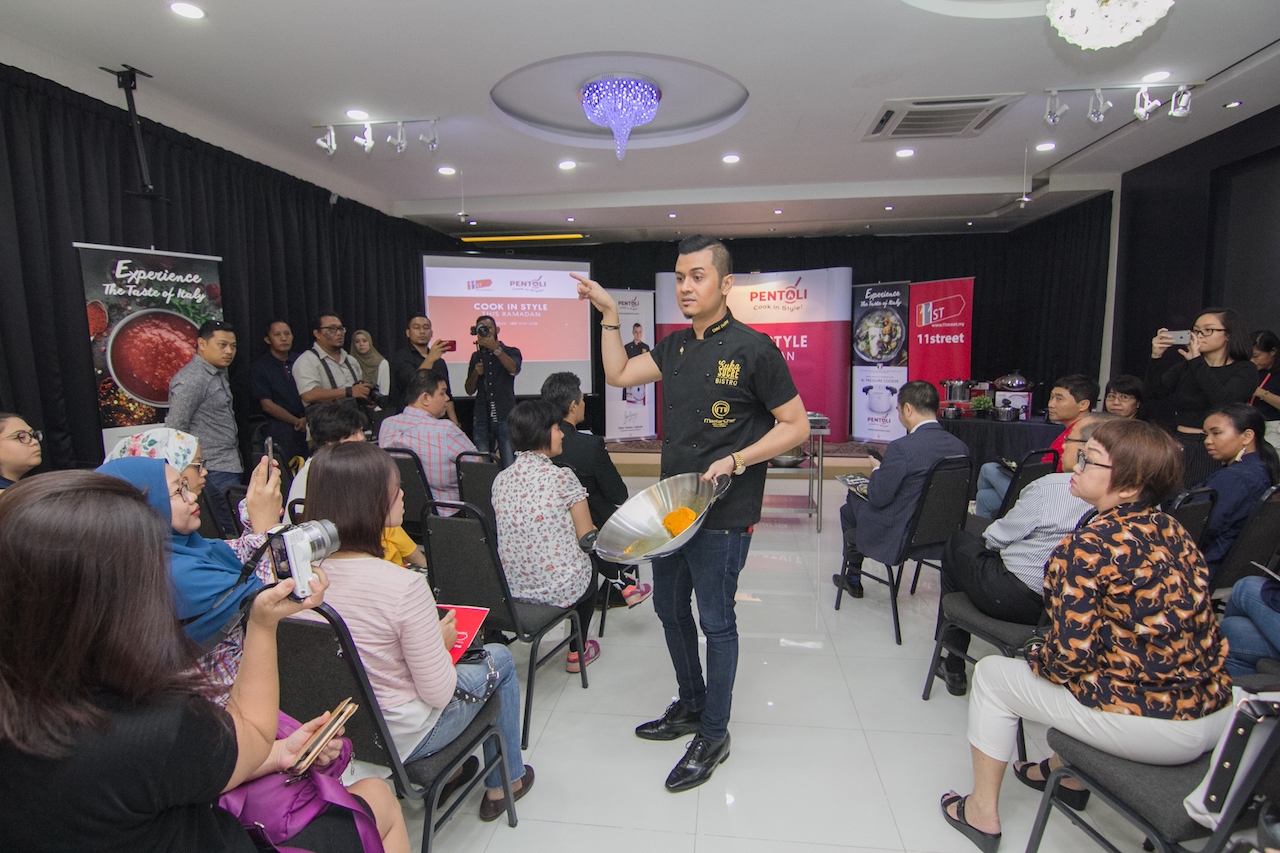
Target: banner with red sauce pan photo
[(941, 329), (144, 309)]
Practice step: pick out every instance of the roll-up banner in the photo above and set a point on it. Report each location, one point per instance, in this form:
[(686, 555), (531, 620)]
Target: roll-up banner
[(880, 344), (941, 326), (629, 412), (806, 312), (144, 309)]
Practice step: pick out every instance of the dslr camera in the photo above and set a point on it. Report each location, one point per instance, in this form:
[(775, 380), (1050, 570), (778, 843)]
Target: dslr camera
[(294, 547), (482, 331)]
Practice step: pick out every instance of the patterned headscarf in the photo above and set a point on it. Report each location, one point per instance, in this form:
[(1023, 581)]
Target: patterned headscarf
[(175, 447)]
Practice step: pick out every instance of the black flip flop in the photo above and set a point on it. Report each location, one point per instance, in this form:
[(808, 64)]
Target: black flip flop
[(987, 842), (1069, 796)]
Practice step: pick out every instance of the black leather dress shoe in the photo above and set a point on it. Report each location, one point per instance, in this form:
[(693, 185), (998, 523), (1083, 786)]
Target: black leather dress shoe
[(957, 682), (700, 760), (676, 721), (853, 589)]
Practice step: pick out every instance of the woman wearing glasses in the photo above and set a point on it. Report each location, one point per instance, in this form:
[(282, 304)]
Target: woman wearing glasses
[(19, 449), (1212, 370), (1132, 662), (403, 642)]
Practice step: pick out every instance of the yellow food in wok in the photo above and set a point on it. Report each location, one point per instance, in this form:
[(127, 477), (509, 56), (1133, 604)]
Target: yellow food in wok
[(679, 520)]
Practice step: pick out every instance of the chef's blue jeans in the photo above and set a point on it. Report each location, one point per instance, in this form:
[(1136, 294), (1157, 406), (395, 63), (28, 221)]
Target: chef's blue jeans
[(709, 565)]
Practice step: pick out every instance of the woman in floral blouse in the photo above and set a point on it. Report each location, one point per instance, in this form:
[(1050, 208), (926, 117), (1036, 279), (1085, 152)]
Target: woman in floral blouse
[(541, 513), (1132, 662)]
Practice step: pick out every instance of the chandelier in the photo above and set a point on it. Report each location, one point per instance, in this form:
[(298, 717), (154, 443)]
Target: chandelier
[(1097, 24), (620, 102)]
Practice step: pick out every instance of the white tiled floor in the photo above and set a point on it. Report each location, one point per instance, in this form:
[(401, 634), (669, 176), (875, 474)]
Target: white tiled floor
[(833, 749)]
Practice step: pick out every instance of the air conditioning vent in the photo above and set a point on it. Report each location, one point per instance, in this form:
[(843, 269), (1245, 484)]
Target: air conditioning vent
[(935, 118)]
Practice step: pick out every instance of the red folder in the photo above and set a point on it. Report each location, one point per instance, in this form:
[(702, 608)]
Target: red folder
[(469, 621)]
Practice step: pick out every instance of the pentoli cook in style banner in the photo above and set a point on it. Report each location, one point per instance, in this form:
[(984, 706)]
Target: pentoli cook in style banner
[(806, 312), (629, 412)]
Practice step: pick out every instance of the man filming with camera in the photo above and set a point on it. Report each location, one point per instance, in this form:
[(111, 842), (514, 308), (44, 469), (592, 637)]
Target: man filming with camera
[(491, 377)]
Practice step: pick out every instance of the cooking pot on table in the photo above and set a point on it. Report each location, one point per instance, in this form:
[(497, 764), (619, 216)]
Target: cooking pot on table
[(950, 413), (1014, 381), (1007, 413), (791, 459), (955, 390), (879, 397)]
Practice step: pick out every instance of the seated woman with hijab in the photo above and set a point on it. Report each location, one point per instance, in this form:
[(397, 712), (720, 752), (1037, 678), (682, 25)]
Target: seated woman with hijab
[(209, 581)]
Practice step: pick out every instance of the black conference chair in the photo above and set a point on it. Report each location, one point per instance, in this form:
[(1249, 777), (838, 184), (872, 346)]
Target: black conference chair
[(208, 524), (233, 495), (293, 512), (462, 559), (1257, 543), (286, 472), (417, 490), (939, 512), (1032, 467), (476, 471), (1193, 509), (1150, 796), (320, 666)]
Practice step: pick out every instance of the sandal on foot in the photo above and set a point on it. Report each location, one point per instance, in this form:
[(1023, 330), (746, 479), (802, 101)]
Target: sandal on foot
[(987, 842), (1069, 796)]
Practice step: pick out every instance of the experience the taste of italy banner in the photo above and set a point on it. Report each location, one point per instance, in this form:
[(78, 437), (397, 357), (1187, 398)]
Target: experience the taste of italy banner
[(144, 309)]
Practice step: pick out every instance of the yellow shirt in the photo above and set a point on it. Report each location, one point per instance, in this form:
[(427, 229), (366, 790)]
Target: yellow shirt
[(398, 545)]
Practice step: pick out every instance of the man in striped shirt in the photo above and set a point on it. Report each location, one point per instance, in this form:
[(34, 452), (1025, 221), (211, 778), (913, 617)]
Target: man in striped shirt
[(1002, 569), (424, 428)]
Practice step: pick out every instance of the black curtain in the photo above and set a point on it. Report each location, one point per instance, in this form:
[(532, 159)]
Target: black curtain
[(1039, 292), (289, 248)]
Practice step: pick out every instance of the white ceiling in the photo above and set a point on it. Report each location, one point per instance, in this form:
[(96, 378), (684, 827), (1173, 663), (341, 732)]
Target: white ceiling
[(254, 77)]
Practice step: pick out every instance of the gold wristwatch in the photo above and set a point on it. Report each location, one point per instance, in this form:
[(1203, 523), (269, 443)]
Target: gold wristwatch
[(739, 463)]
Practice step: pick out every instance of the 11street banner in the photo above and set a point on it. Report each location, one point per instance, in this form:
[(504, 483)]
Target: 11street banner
[(941, 329)]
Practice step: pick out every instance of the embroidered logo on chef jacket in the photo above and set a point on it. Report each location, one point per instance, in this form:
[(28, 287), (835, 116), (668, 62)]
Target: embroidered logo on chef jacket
[(727, 373), (720, 412)]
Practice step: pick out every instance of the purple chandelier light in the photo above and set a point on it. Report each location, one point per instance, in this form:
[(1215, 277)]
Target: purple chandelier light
[(620, 103)]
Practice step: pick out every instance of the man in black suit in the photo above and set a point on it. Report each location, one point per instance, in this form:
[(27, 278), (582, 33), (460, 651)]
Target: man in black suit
[(585, 455), (875, 527)]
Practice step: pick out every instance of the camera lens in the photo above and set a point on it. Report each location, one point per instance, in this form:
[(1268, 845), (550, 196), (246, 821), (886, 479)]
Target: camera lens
[(322, 537)]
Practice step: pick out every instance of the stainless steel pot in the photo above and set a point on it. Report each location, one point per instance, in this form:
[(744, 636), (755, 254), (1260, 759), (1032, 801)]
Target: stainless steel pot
[(1007, 414), (950, 413), (956, 390), (1014, 381)]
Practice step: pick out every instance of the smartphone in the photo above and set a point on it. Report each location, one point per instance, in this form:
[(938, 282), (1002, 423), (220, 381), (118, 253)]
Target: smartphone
[(271, 448), (311, 749), (450, 346), (875, 454), (1181, 338)]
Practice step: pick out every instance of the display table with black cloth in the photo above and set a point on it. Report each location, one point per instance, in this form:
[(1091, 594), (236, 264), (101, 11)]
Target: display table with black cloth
[(990, 440)]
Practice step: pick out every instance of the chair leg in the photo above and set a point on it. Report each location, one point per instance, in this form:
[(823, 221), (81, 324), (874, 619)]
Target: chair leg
[(933, 664), (528, 692), (602, 600), (575, 625), (915, 580), (1042, 820), (1022, 741), (844, 568), (895, 583), (506, 781)]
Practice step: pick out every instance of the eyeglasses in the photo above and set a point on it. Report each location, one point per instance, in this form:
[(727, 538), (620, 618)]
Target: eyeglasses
[(1075, 441), (1204, 333), (333, 328), (1084, 463), (28, 437), (1120, 398), (183, 492), (199, 466)]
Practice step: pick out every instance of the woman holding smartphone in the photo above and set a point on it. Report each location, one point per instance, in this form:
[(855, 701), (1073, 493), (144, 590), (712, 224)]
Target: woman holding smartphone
[(1212, 369)]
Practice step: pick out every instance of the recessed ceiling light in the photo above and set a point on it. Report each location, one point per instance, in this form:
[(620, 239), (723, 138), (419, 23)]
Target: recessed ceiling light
[(779, 210), (731, 158), (568, 164), (1156, 77), (447, 170), (568, 219), (1046, 146), (969, 223), (1233, 105), (905, 152), (888, 207), (472, 222), (187, 10), (672, 215), (358, 115)]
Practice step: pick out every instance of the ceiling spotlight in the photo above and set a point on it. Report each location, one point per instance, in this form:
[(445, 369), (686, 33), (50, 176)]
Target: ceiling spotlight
[(1233, 105), (1156, 77), (968, 223), (568, 219), (358, 115), (1180, 103), (1144, 105), (328, 142), (366, 140), (777, 211), (731, 158), (1053, 110), (888, 207), (399, 139), (568, 164), (432, 140), (187, 10), (447, 170), (1098, 107), (905, 152), (1046, 146), (671, 215), (472, 222)]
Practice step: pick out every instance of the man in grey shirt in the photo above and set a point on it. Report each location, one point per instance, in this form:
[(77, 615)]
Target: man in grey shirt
[(200, 403), (1002, 570)]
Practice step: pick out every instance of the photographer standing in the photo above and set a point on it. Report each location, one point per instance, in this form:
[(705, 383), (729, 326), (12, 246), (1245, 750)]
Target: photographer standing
[(327, 371), (491, 376)]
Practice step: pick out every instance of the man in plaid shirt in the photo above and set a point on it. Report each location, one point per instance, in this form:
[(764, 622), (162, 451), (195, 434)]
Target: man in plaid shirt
[(424, 428)]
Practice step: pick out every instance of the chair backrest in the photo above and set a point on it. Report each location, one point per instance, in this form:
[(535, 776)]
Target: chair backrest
[(1032, 467), (293, 512), (208, 524), (476, 471), (233, 496), (319, 667), (1193, 510), (462, 558), (943, 504), (417, 490), (1257, 542)]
